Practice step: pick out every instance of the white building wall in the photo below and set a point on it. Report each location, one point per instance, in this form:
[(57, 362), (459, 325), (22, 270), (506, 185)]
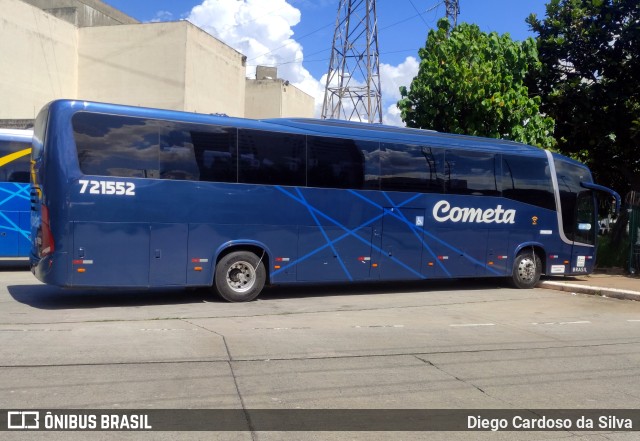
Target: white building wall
[(38, 59), (296, 103), (140, 64), (173, 65), (276, 98), (263, 99), (215, 75)]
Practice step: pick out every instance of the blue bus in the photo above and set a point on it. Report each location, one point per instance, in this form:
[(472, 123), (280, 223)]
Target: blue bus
[(138, 197), (15, 150)]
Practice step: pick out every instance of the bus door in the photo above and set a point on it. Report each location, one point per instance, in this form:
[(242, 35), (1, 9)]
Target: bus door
[(402, 243), (585, 224), (168, 254)]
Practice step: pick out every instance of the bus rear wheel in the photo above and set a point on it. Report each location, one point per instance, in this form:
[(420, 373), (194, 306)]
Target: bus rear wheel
[(527, 268), (240, 276)]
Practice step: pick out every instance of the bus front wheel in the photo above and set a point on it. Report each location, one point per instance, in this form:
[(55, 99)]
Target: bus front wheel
[(527, 268), (240, 276)]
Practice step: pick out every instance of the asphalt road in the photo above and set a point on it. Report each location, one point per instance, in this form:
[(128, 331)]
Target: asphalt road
[(436, 345)]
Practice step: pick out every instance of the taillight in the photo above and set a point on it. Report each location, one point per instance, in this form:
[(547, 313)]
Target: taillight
[(46, 238)]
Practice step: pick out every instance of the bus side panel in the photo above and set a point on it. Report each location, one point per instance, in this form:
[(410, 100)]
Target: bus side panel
[(168, 254), (582, 260), (402, 243), (110, 254), (9, 233), (333, 254), (14, 220), (559, 259), (461, 250), (499, 254), (207, 241), (24, 241), (200, 254)]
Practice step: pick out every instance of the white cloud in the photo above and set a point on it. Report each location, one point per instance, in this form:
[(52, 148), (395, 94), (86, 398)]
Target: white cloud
[(162, 16), (391, 78), (262, 30)]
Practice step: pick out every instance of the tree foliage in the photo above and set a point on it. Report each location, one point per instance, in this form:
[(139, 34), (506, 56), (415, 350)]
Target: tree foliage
[(471, 82), (590, 84)]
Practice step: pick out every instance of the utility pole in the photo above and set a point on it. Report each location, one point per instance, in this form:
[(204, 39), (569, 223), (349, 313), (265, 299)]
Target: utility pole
[(452, 9), (352, 90)]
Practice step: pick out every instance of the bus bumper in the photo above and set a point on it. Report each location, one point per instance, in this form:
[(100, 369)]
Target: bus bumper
[(47, 269)]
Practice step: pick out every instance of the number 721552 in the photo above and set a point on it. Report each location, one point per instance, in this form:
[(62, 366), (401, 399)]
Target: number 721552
[(107, 187)]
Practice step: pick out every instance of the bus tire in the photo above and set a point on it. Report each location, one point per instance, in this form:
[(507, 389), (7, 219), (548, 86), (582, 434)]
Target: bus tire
[(240, 276), (527, 269)]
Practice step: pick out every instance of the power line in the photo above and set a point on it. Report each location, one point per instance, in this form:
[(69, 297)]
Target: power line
[(436, 6), (418, 14), (317, 60), (296, 40), (301, 60)]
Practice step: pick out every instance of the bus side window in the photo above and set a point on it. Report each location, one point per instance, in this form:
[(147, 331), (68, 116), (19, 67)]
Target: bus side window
[(177, 157), (411, 168), (271, 158), (370, 152), (110, 145), (18, 176), (216, 153), (334, 163), (527, 180), (471, 173), (16, 170)]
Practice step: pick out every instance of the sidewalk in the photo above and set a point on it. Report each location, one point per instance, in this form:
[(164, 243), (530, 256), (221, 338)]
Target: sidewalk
[(607, 285)]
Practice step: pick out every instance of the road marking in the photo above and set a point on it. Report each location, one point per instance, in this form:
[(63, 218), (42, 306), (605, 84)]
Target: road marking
[(168, 329), (469, 325), (579, 322), (35, 330), (378, 326), (280, 329)]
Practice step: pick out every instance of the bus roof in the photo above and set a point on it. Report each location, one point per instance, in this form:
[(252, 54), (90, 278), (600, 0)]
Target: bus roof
[(404, 134), (318, 127)]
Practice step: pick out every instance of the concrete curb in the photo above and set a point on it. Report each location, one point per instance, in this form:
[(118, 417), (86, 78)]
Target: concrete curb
[(592, 290)]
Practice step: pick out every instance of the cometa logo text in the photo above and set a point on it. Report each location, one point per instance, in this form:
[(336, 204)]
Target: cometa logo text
[(443, 212)]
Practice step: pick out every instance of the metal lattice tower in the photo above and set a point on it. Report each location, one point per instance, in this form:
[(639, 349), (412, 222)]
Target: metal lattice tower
[(452, 9), (353, 89)]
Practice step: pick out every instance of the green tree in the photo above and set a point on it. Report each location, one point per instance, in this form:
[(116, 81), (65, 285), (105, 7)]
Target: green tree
[(590, 84), (472, 83)]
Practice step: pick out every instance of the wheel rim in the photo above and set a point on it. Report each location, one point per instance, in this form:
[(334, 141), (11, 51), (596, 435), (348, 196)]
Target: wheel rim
[(527, 269), (241, 276)]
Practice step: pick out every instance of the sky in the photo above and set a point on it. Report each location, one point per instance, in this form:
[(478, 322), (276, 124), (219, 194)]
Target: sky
[(297, 35)]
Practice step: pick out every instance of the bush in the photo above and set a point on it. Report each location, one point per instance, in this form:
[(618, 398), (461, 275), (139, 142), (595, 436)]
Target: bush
[(612, 255)]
